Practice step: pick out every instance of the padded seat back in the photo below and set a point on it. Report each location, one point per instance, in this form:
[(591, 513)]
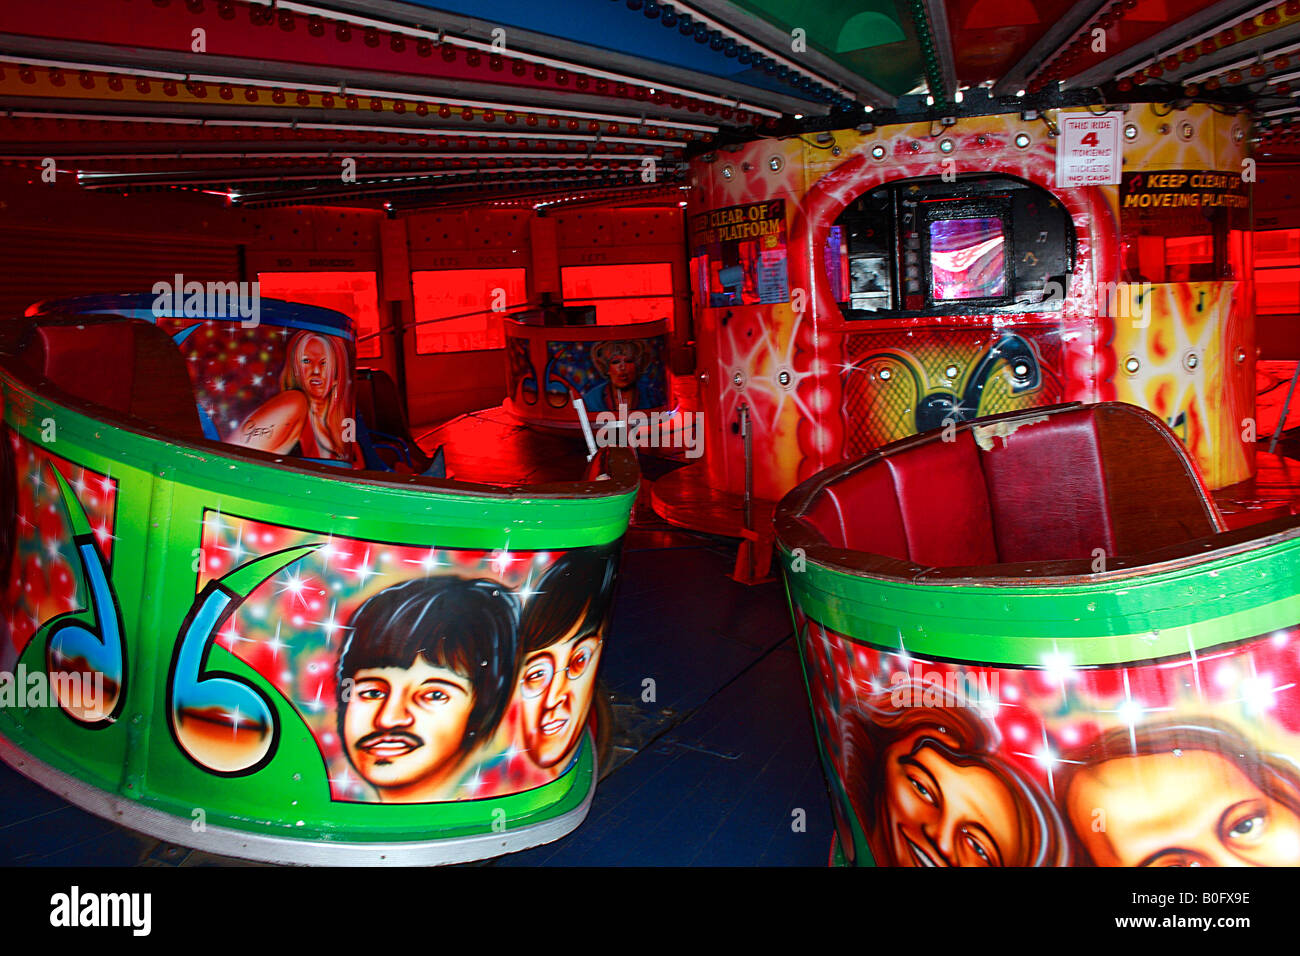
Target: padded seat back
[(380, 406), (944, 503), (92, 360), (1155, 493), (126, 365), (1046, 485), (363, 394), (386, 404), (860, 512), (1054, 486)]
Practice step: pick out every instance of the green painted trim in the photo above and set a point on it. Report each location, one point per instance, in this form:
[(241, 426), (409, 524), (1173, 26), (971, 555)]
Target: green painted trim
[(1140, 617), (925, 40), (390, 513)]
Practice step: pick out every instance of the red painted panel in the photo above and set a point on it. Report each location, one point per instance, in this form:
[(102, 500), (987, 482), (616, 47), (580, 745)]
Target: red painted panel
[(355, 294), (648, 288), (990, 36), (477, 296), (634, 227)]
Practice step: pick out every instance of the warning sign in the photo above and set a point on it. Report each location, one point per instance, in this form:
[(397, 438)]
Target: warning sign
[(1089, 151), (1184, 196)]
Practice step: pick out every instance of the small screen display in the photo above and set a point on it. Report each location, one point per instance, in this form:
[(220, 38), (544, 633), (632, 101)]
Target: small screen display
[(869, 283), (968, 258)]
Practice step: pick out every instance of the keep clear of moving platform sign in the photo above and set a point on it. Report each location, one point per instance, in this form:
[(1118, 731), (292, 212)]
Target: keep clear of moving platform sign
[(1090, 149)]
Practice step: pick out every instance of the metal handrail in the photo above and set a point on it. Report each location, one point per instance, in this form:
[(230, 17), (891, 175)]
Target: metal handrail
[(509, 310)]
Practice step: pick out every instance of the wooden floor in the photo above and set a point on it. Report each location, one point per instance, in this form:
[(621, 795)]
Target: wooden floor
[(492, 447)]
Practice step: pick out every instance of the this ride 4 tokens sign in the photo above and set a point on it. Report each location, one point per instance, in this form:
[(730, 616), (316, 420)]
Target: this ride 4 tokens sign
[(1089, 151)]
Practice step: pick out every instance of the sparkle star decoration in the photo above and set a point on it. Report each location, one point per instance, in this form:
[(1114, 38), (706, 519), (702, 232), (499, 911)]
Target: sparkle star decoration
[(46, 579)]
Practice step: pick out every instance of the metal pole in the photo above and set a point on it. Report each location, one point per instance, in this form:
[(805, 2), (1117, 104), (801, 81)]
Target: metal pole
[(1286, 406), (746, 433), (581, 406)]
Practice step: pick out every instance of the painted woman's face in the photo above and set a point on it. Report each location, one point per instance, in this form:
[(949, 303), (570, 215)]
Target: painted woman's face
[(316, 369), (1189, 808), (622, 369), (556, 687), (941, 813)]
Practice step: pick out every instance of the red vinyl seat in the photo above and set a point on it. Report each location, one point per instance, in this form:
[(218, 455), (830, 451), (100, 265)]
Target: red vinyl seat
[(1058, 484), (126, 365)]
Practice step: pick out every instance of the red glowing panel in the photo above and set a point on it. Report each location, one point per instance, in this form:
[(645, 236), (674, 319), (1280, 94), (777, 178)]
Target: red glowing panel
[(1277, 248), (1277, 291), (459, 310), (1277, 271), (355, 294), (1184, 254), (642, 292)]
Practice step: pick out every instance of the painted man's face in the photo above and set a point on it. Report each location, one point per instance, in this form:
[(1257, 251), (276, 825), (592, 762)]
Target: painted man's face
[(403, 727), (1193, 808), (622, 370), (316, 369), (941, 813), (556, 689)]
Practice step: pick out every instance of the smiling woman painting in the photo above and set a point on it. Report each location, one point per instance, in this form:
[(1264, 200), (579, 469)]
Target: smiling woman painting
[(929, 791)]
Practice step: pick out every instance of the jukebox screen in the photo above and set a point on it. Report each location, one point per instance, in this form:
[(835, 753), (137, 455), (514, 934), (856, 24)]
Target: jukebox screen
[(926, 247), (968, 258)]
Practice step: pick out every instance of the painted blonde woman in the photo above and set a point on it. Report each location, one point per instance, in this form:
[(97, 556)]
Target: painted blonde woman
[(306, 418), (622, 365)]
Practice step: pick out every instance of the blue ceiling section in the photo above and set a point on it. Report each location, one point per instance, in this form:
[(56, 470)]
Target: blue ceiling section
[(640, 28)]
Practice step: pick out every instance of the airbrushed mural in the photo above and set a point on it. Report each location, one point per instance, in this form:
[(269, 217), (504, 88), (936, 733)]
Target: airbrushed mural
[(894, 386), (47, 572), (423, 674), (628, 373), (924, 287), (1184, 761), (280, 384), (325, 669), (276, 389), (304, 416), (608, 367), (62, 537)]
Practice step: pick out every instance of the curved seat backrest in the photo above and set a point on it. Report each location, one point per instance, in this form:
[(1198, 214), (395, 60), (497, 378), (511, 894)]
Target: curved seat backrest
[(126, 365), (383, 404), (379, 405), (1058, 484)]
